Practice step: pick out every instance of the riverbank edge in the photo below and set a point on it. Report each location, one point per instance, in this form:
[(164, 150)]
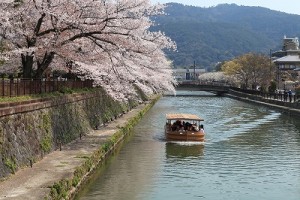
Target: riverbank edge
[(68, 188), (269, 103)]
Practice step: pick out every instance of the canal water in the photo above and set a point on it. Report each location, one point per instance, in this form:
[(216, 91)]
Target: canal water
[(251, 152)]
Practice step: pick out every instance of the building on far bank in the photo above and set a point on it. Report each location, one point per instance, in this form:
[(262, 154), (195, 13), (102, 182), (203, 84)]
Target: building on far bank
[(182, 74), (287, 61)]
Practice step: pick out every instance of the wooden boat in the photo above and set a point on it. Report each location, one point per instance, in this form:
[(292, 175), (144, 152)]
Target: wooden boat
[(184, 127)]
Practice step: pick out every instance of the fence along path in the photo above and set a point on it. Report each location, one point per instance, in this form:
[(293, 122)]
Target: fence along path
[(19, 87)]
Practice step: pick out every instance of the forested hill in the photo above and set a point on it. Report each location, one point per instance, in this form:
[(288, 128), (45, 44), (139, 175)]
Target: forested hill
[(211, 35)]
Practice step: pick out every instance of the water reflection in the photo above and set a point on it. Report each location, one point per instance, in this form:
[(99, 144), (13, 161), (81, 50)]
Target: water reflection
[(129, 171), (184, 149)]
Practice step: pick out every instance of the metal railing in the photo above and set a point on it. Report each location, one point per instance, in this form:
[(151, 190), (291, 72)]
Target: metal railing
[(281, 97), (285, 97), (19, 87)]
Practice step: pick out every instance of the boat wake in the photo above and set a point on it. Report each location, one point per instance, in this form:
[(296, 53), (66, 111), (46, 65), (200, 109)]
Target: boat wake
[(186, 143), (236, 127)]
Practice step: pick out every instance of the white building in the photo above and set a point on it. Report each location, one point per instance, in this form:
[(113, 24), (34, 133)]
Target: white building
[(187, 74)]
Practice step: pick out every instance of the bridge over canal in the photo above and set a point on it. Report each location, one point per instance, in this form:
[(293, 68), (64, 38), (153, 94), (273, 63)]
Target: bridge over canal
[(214, 87)]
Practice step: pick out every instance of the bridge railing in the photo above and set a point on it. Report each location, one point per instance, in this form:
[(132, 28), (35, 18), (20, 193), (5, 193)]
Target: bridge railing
[(198, 82)]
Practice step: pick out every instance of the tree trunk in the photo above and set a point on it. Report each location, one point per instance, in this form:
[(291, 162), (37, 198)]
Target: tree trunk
[(27, 65), (42, 66)]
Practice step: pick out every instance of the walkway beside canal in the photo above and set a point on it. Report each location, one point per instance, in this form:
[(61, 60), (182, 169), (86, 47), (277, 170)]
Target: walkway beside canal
[(292, 108), (34, 183)]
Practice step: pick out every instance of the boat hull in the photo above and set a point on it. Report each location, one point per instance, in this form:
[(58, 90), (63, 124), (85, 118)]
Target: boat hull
[(185, 136)]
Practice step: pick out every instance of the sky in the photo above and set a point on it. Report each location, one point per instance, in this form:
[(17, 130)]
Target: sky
[(287, 6)]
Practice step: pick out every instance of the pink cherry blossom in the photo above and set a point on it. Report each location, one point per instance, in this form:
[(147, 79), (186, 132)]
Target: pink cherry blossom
[(107, 41)]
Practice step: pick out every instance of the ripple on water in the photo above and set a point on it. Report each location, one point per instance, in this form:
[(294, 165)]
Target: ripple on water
[(251, 152)]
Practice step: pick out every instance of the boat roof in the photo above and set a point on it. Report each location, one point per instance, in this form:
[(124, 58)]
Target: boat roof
[(183, 116)]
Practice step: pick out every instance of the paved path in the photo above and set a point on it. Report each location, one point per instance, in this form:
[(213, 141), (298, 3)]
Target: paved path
[(33, 183), (286, 109)]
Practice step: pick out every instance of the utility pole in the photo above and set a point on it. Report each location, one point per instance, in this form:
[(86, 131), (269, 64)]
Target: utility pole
[(194, 70)]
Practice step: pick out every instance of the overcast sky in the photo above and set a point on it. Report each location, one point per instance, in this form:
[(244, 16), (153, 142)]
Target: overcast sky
[(288, 6)]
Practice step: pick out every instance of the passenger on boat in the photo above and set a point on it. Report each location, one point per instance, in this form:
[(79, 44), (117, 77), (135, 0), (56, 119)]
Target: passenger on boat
[(177, 125), (187, 126), (195, 127), (168, 125), (201, 129), (173, 127)]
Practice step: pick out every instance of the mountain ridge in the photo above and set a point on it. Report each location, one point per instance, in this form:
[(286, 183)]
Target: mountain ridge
[(215, 34)]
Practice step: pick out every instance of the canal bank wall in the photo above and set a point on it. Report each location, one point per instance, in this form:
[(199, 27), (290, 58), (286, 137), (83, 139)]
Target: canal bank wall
[(32, 129), (291, 108), (50, 146)]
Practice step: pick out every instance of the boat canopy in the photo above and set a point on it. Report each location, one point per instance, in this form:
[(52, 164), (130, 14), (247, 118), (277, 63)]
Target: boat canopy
[(182, 116)]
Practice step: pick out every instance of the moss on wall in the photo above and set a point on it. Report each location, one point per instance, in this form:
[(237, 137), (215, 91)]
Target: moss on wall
[(11, 164), (46, 140), (27, 137)]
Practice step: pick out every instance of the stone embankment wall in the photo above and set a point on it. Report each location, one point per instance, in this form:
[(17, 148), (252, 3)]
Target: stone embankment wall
[(30, 130)]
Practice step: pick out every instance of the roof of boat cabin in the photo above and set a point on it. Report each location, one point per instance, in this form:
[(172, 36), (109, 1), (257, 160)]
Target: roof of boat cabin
[(182, 116)]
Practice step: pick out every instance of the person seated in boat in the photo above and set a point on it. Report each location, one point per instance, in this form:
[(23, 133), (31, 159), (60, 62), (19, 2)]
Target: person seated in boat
[(168, 125), (173, 127), (178, 124), (181, 129), (187, 126), (201, 129), (195, 127)]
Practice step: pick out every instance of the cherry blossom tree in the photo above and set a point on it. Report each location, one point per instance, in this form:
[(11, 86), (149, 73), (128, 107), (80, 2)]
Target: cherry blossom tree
[(216, 76), (107, 41)]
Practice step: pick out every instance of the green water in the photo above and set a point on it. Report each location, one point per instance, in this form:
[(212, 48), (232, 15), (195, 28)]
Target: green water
[(251, 152)]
